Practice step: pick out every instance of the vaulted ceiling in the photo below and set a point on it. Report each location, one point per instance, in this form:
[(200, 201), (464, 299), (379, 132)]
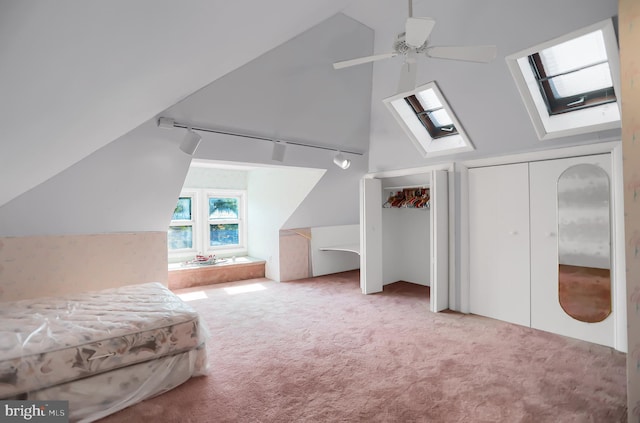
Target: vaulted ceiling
[(76, 75)]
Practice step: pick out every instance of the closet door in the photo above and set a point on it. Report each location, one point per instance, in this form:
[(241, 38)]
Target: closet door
[(370, 236), (499, 242), (439, 242), (571, 284)]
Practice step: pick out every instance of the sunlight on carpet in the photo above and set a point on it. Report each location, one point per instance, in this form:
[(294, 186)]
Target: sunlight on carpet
[(242, 289), (192, 296)]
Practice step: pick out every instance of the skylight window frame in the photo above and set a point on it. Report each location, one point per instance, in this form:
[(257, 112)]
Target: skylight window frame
[(413, 126), (424, 116), (557, 105), (578, 120)]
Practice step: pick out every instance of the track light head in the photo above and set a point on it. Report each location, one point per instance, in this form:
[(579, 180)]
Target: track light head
[(341, 161), (279, 149), (190, 142)]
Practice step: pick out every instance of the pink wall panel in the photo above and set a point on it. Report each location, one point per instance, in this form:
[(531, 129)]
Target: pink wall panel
[(629, 29), (294, 254), (40, 266)]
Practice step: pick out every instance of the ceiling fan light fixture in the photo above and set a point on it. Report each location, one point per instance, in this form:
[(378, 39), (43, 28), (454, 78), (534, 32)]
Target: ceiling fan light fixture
[(414, 42), (341, 161)]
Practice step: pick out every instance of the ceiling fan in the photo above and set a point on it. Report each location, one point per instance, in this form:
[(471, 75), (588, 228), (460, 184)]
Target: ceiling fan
[(414, 41)]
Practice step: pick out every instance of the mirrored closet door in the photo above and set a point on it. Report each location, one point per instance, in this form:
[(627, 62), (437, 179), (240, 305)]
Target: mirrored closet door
[(571, 284), (540, 246)]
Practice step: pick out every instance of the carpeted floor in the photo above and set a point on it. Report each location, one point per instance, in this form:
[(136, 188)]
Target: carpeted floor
[(317, 350)]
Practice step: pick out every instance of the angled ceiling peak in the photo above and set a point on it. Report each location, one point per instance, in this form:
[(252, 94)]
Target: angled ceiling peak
[(71, 84)]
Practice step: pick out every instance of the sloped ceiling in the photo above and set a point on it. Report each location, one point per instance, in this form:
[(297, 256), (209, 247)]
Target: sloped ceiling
[(291, 93), (483, 96), (76, 75), (132, 183)]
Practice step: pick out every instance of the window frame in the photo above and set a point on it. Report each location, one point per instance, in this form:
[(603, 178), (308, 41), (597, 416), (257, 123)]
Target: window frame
[(194, 218), (240, 221), (567, 121), (557, 105), (200, 222), (424, 116)]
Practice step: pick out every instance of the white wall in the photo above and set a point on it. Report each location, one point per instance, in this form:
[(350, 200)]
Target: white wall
[(325, 262), (406, 245), (215, 178), (273, 194), (130, 185)]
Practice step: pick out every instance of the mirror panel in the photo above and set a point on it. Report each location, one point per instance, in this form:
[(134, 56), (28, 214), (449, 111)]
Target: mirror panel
[(584, 248)]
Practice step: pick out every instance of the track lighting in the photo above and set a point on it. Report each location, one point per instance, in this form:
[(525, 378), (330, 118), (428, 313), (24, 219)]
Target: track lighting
[(190, 142), (341, 161), (279, 149)]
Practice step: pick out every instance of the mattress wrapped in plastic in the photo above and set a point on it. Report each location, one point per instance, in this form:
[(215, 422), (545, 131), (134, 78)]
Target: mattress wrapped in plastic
[(46, 342), (103, 394)]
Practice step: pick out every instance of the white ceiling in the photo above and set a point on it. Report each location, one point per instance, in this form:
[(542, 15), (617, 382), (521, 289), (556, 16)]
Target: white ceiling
[(484, 97), (76, 75)]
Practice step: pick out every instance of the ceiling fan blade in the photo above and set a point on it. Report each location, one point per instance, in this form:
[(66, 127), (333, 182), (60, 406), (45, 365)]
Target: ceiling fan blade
[(361, 60), (407, 76), (483, 54), (417, 30)]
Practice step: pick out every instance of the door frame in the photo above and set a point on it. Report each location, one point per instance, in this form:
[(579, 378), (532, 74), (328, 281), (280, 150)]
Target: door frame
[(617, 214), (450, 280), (439, 242)]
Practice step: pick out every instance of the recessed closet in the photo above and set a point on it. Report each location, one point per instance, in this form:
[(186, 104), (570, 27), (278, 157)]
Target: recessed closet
[(404, 231), (541, 246)]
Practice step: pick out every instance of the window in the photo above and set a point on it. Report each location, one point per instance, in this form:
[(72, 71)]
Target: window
[(575, 74), (224, 221), (431, 114), (428, 120), (208, 222), (181, 230), (569, 84)]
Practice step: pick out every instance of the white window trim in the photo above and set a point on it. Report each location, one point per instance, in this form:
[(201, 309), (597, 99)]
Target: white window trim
[(426, 145), (598, 118), (193, 223), (200, 204), (242, 221)]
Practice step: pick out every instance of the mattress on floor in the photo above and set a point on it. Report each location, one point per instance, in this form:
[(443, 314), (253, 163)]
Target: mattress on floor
[(103, 394), (48, 341)]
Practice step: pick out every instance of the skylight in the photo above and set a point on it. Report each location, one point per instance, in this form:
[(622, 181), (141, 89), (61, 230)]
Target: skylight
[(569, 84), (431, 114), (574, 74), (428, 120)]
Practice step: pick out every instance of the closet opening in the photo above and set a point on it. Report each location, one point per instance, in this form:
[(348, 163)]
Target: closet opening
[(405, 234)]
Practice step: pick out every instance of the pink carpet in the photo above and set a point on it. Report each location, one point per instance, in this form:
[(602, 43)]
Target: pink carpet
[(318, 350)]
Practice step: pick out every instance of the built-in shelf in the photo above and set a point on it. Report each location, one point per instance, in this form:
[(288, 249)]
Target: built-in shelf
[(353, 248)]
